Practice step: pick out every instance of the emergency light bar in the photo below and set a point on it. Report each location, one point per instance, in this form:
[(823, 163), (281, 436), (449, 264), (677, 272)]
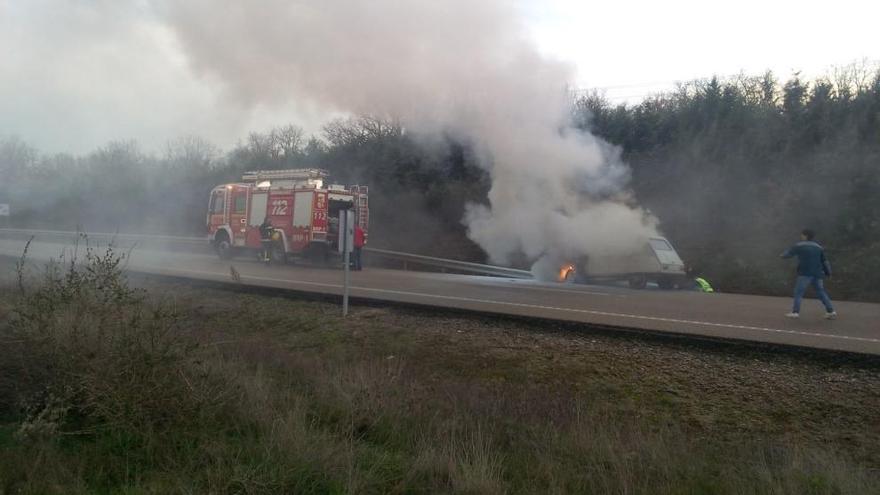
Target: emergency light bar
[(303, 174)]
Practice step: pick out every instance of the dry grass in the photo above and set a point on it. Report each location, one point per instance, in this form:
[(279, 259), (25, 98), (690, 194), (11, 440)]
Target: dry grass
[(172, 389)]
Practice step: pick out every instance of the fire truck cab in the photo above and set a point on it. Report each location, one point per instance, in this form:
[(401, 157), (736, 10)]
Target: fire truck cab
[(302, 210)]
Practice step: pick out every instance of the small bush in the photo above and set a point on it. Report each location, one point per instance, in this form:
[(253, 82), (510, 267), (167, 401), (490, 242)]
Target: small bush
[(90, 357), (107, 388), (93, 356)]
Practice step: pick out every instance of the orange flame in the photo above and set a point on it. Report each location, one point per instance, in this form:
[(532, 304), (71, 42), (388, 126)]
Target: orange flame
[(565, 271)]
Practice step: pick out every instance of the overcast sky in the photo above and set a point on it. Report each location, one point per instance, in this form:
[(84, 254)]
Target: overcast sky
[(77, 74), (633, 47)]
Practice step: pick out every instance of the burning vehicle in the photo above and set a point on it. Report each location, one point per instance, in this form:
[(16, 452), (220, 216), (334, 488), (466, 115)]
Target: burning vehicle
[(657, 262), (302, 214)]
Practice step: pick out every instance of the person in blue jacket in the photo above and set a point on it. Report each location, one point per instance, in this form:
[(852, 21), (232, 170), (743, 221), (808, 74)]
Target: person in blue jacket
[(812, 269)]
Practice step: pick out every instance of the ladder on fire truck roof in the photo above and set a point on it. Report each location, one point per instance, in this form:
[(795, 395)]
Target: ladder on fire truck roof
[(288, 174), (363, 208)]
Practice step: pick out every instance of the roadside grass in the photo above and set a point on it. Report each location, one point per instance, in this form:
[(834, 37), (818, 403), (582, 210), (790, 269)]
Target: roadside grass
[(164, 388)]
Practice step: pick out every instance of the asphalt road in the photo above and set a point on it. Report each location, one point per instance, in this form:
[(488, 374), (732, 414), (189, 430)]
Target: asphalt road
[(728, 316)]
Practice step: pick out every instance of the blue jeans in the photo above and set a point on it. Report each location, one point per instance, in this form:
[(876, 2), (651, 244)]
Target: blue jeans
[(800, 286), (357, 259)]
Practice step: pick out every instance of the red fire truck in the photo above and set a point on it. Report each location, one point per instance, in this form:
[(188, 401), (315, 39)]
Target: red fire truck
[(304, 213)]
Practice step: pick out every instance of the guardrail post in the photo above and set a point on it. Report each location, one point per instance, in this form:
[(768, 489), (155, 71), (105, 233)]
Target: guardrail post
[(346, 256)]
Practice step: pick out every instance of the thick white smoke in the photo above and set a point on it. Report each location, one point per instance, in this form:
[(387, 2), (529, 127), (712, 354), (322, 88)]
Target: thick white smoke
[(454, 66)]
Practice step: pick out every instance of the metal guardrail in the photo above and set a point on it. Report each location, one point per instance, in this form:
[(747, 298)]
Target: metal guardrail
[(464, 266), (123, 240), (103, 235), (201, 244)]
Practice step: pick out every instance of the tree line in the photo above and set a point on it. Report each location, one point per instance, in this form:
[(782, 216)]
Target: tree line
[(734, 168)]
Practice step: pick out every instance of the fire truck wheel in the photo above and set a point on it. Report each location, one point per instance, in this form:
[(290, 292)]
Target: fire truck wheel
[(224, 249), (278, 255), (317, 254)]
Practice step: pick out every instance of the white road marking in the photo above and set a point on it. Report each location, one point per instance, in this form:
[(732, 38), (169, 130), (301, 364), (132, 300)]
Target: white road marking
[(552, 289), (552, 308)]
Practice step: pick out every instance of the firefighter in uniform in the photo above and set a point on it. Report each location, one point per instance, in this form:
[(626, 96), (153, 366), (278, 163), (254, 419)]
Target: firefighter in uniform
[(266, 230)]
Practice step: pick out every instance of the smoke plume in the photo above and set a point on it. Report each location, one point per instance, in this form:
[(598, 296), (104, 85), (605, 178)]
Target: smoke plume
[(453, 66)]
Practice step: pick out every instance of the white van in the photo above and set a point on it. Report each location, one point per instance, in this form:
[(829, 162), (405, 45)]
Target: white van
[(657, 262)]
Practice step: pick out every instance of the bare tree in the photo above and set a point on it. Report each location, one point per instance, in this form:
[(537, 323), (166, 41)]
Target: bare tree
[(259, 144), (16, 157), (190, 151), (854, 78), (290, 139), (273, 144), (360, 130)]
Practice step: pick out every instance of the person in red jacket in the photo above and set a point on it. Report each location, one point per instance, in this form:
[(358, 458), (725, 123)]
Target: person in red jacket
[(359, 241)]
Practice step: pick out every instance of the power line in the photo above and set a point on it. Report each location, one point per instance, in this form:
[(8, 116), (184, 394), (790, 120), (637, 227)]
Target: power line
[(660, 86), (654, 88)]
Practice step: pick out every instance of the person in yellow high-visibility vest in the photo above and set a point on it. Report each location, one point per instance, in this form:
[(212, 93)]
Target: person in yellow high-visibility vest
[(700, 283), (703, 285)]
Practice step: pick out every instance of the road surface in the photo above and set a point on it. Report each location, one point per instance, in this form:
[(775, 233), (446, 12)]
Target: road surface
[(727, 316)]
